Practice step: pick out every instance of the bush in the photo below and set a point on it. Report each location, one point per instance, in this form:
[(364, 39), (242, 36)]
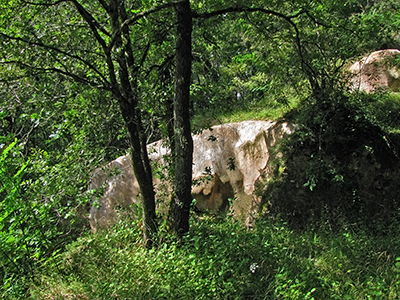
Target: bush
[(340, 164), (20, 239), (32, 226)]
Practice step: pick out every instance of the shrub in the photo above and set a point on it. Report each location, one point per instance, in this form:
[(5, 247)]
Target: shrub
[(341, 163)]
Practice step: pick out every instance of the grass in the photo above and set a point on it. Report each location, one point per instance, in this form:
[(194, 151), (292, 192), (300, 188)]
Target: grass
[(383, 108), (265, 109), (220, 259)]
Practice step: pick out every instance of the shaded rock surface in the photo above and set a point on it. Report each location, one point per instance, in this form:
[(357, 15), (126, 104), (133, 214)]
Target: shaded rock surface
[(229, 161), (376, 71)]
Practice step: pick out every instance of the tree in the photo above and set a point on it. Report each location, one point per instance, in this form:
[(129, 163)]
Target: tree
[(112, 61), (109, 61), (113, 65), (183, 143)]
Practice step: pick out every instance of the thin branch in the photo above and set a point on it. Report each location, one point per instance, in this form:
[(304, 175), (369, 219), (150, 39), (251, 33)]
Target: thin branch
[(316, 21), (49, 47), (241, 9), (162, 65), (143, 14), (288, 18), (139, 16), (47, 4), (144, 56), (56, 70), (107, 50), (115, 86), (91, 21), (326, 25), (17, 78), (130, 59), (104, 5)]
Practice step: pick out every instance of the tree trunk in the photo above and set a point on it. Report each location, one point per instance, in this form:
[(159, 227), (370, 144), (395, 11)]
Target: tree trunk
[(183, 143), (126, 91), (142, 169)]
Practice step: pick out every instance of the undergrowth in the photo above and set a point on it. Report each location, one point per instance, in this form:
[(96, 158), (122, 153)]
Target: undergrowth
[(220, 259)]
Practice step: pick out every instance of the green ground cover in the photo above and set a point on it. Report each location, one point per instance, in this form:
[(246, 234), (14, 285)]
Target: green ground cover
[(220, 259)]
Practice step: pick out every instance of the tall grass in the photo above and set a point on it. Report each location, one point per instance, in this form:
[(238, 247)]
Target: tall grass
[(219, 259)]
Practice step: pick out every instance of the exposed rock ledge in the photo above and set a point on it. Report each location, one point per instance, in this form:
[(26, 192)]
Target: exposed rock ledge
[(228, 162)]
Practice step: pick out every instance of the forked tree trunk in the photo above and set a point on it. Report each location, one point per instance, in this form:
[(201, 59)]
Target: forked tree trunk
[(142, 169), (126, 91), (183, 143)]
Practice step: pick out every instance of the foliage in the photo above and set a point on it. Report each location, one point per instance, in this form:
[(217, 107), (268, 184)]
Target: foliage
[(61, 138), (381, 109), (340, 163), (220, 259), (240, 53), (23, 237)]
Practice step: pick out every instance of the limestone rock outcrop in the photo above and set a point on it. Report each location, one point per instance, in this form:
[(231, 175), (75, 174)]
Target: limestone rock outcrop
[(376, 71), (228, 162), (117, 187)]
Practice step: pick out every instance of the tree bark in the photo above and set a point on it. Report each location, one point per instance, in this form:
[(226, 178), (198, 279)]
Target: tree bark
[(183, 143), (127, 94), (142, 169)]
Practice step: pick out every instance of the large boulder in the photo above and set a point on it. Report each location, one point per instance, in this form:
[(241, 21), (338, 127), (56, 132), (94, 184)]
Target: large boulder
[(229, 161), (376, 71)]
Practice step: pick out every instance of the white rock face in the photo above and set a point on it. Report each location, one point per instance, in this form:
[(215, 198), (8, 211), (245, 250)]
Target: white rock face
[(375, 71), (228, 162), (119, 188)]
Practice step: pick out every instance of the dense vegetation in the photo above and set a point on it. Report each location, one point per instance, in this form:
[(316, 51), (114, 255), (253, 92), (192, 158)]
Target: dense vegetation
[(63, 113), (220, 259)]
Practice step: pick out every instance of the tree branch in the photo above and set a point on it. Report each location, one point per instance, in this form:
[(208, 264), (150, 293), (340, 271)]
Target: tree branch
[(167, 60), (104, 5), (145, 54), (241, 9), (143, 14), (56, 70), (107, 50), (316, 21), (139, 16), (91, 21), (16, 78), (58, 50), (47, 4), (127, 41), (288, 18)]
